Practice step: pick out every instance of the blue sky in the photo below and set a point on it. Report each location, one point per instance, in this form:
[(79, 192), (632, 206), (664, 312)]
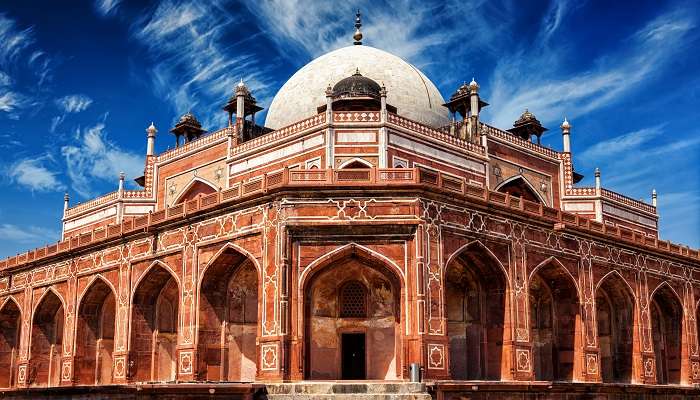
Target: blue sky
[(80, 83)]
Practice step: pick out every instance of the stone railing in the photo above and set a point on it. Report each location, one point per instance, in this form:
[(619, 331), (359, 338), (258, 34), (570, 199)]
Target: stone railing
[(509, 137), (195, 144), (435, 134), (292, 129), (92, 204), (610, 195), (640, 205), (331, 179)]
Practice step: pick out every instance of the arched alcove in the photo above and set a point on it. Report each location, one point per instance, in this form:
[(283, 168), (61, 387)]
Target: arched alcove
[(228, 318), (518, 186), (554, 322), (352, 317), (476, 309), (667, 322), (195, 188), (95, 335), (154, 323), (615, 317), (46, 341), (10, 328)]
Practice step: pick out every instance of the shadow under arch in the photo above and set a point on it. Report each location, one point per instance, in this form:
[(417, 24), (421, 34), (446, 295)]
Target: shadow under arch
[(47, 340), (10, 331), (154, 325), (519, 186), (94, 341), (555, 321), (227, 327), (667, 327), (616, 325), (477, 303), (331, 334), (197, 186)]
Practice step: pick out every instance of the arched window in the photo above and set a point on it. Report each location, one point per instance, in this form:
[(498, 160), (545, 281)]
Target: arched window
[(353, 300)]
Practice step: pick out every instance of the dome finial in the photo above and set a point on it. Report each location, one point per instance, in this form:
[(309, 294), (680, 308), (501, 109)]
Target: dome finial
[(358, 23)]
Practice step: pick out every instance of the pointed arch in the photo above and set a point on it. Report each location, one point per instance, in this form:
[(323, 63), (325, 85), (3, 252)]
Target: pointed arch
[(194, 187), (46, 339), (94, 339), (342, 252), (476, 298), (10, 331), (668, 322), (489, 254), (227, 321), (559, 266), (531, 194), (10, 299), (355, 162), (320, 296), (555, 321), (616, 323), (613, 275), (155, 322)]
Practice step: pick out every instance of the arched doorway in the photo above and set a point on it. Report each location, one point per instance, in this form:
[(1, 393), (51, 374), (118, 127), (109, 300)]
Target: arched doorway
[(352, 318), (519, 187), (47, 339), (228, 319), (476, 304), (95, 335), (615, 318), (554, 322), (667, 321), (10, 325), (154, 322)]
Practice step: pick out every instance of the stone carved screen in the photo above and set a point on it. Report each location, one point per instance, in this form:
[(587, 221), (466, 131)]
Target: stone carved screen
[(353, 300)]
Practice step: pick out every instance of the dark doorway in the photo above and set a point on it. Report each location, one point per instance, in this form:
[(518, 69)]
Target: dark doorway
[(353, 356)]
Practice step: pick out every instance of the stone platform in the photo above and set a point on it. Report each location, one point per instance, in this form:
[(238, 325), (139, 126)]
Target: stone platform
[(348, 390)]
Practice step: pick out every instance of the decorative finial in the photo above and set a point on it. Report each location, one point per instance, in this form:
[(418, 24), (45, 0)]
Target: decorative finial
[(151, 130), (473, 84), (597, 172), (358, 23), (565, 124), (654, 197)]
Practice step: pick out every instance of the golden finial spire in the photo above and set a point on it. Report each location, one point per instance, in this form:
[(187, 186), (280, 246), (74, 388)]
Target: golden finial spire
[(358, 23)]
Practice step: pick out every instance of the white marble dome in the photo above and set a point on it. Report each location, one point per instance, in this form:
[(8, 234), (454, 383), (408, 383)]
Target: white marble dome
[(411, 92)]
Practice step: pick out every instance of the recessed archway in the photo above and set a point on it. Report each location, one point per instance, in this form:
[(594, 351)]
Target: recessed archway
[(615, 317), (95, 335), (228, 318), (554, 321), (667, 322), (352, 317), (10, 328), (518, 186), (154, 326), (476, 306), (46, 341), (195, 188)]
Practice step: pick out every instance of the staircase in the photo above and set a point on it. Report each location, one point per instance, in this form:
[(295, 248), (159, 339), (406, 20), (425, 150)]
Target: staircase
[(357, 390)]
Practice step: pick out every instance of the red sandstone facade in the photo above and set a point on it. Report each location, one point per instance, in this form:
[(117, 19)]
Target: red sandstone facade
[(270, 257)]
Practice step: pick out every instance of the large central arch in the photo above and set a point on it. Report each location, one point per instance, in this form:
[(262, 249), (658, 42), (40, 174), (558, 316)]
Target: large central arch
[(94, 343), (351, 301), (616, 323), (476, 302), (47, 341)]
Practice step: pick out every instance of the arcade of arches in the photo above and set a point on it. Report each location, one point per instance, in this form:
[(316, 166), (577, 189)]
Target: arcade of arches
[(351, 320)]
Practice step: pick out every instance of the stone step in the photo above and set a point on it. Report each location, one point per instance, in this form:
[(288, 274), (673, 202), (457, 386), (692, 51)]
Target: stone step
[(347, 391)]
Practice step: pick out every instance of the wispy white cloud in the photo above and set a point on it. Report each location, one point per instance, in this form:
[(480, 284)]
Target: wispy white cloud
[(27, 234), (106, 7), (97, 158), (530, 79), (74, 103), (55, 122), (620, 144), (194, 59), (12, 39), (34, 174)]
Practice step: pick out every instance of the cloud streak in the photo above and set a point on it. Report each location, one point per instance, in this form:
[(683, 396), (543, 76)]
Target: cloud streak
[(27, 234), (32, 173), (74, 103), (96, 158)]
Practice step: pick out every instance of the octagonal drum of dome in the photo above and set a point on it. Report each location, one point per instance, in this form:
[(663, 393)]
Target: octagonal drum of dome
[(409, 90)]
